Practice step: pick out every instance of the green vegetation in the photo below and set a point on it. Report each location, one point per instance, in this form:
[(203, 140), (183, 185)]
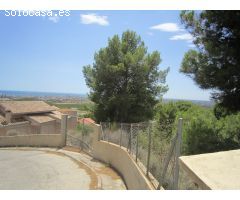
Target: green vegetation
[(125, 81), (203, 132), (84, 129), (216, 63)]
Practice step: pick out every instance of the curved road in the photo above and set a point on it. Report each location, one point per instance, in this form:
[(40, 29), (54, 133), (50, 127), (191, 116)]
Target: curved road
[(49, 169)]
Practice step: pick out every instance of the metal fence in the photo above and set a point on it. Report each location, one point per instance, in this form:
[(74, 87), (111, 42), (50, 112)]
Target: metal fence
[(154, 150), (81, 137)]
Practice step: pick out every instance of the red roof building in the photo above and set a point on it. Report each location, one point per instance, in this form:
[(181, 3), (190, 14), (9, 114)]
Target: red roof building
[(86, 121)]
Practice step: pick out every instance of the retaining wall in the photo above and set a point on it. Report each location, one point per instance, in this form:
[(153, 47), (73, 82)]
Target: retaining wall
[(118, 158), (40, 140)]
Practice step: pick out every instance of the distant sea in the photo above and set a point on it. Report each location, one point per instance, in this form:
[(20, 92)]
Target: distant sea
[(9, 93), (38, 94)]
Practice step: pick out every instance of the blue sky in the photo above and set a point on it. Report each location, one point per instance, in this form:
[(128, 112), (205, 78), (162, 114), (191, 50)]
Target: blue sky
[(48, 53)]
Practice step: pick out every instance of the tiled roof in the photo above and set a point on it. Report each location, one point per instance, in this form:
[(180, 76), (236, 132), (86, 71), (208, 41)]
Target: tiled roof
[(26, 107), (86, 121), (55, 115)]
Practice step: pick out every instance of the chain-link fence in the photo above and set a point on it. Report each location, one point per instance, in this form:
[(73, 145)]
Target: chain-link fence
[(153, 146)]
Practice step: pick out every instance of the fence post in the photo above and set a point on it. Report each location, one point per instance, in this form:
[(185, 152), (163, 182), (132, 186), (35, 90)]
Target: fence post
[(130, 139), (131, 134), (64, 128), (101, 133), (149, 147), (102, 137), (83, 129), (177, 154), (109, 129), (120, 142), (137, 144)]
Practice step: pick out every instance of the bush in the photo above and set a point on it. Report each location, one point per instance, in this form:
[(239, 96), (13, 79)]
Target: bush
[(199, 132), (84, 129), (205, 130), (165, 116), (229, 131)]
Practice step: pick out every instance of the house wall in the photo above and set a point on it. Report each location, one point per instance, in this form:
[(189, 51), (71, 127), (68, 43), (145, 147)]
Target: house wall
[(48, 128), (72, 118)]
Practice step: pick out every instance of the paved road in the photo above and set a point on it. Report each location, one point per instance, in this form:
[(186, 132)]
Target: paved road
[(36, 168), (40, 170)]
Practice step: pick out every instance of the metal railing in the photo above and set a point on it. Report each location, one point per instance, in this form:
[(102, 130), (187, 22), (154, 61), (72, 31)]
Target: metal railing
[(149, 147)]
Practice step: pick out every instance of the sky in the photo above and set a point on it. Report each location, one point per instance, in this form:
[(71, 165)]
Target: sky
[(42, 53)]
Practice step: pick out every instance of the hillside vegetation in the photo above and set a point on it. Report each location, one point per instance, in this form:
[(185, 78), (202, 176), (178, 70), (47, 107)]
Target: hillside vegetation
[(205, 130)]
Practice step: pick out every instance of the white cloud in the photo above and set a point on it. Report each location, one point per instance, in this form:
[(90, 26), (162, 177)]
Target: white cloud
[(185, 36), (167, 27), (94, 19), (54, 19)]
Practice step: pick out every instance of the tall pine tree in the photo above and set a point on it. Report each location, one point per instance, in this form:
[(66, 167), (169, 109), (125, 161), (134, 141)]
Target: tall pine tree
[(124, 80), (216, 62)]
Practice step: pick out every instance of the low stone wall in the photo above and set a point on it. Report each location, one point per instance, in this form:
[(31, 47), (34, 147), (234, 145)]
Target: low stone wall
[(118, 158), (40, 140)]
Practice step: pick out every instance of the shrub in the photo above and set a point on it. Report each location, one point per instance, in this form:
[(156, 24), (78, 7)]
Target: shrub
[(199, 132), (205, 130), (229, 131)]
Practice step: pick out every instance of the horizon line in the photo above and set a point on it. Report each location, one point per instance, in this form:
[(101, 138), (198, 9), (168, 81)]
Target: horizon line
[(86, 94)]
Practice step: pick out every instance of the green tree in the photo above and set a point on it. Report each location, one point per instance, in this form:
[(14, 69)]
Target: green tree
[(125, 80), (216, 63)]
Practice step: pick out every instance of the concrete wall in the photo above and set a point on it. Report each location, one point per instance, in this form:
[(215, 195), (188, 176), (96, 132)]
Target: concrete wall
[(41, 140), (48, 128), (71, 122), (36, 139), (119, 159), (28, 128), (72, 118), (19, 128)]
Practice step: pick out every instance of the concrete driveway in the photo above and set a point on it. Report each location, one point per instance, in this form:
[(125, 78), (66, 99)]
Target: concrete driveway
[(49, 169)]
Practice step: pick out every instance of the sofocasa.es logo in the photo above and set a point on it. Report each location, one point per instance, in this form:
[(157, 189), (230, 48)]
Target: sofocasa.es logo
[(37, 13)]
